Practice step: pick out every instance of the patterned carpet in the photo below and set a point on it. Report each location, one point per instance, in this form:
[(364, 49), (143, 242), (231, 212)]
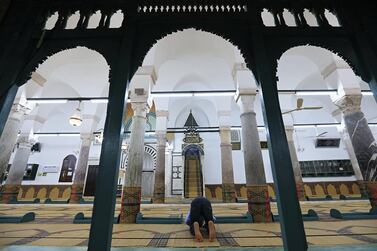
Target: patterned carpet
[(53, 227)]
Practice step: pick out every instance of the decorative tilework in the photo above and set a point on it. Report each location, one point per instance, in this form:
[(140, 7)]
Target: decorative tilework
[(259, 203), (130, 205)]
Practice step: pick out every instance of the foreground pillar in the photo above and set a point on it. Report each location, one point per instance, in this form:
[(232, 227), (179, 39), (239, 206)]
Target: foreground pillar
[(77, 187), (9, 191), (362, 140), (291, 224), (295, 164), (228, 187), (9, 136), (257, 188), (159, 178)]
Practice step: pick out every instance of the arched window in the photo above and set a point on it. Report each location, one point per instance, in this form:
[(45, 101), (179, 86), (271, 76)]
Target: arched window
[(68, 168)]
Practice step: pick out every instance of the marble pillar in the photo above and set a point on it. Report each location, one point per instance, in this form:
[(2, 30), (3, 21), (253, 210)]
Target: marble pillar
[(355, 165), (289, 130), (363, 142), (131, 194), (77, 188), (9, 136), (229, 190), (257, 188), (9, 191), (159, 176)]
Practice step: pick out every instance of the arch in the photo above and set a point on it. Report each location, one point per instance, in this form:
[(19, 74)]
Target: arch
[(42, 193), (340, 49), (331, 190), (147, 149), (29, 193), (192, 147), (68, 168), (148, 40), (344, 189), (66, 193), (268, 18), (319, 191), (52, 50), (54, 193)]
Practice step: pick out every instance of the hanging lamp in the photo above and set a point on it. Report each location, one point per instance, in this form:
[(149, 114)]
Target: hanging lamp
[(76, 118)]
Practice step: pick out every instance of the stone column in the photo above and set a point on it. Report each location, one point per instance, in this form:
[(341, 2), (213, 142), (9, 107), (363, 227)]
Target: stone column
[(257, 188), (295, 163), (131, 194), (9, 136), (9, 191), (362, 140), (355, 165), (229, 190), (77, 187), (159, 176)]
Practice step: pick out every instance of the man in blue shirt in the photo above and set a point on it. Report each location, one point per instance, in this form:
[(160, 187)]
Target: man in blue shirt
[(201, 215)]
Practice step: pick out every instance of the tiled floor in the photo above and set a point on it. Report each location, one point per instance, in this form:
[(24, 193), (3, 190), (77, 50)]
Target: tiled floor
[(53, 227)]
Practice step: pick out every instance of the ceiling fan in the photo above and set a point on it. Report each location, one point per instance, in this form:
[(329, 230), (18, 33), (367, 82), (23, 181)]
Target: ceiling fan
[(300, 107)]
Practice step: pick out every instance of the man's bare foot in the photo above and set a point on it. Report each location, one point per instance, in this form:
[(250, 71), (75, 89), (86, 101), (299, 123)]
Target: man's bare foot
[(211, 230), (198, 234)]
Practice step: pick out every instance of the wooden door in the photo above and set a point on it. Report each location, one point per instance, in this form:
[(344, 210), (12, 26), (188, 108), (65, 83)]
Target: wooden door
[(90, 184)]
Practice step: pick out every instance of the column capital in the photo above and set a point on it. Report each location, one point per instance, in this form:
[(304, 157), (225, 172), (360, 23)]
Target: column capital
[(348, 103), (140, 108), (161, 138), (87, 136), (246, 102), (24, 141)]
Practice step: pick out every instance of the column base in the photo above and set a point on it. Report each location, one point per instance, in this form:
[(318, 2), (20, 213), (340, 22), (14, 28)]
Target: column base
[(258, 201), (130, 205), (76, 193), (229, 193), (159, 194), (372, 192), (9, 193), (300, 190)]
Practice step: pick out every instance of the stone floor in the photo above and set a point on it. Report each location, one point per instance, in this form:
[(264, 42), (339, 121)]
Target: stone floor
[(53, 227)]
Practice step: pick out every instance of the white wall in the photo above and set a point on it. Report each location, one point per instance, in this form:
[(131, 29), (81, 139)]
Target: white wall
[(53, 151)]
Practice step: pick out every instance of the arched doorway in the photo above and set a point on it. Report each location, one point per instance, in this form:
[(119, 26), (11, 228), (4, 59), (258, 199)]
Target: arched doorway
[(68, 168)]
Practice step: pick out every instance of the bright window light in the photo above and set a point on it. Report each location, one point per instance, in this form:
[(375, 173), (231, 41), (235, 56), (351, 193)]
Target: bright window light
[(316, 93), (304, 126), (46, 134), (172, 95), (214, 94), (48, 101), (367, 93), (69, 134), (99, 101)]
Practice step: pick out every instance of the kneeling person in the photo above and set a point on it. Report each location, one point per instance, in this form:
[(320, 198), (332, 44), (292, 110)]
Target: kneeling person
[(201, 215)]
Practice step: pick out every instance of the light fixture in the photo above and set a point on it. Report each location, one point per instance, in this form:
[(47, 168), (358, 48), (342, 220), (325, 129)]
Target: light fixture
[(76, 118)]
